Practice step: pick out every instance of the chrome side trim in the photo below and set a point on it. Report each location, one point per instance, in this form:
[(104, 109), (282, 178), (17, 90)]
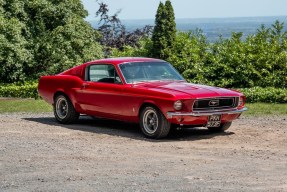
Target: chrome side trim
[(206, 113)]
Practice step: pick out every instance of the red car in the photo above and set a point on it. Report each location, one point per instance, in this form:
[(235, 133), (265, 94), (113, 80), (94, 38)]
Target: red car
[(144, 90)]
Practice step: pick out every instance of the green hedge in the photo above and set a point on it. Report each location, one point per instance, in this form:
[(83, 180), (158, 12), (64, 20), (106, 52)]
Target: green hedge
[(26, 90), (266, 95), (253, 95)]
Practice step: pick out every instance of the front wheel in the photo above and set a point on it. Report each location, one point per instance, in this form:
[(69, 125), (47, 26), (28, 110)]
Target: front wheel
[(153, 123), (64, 110), (223, 127)]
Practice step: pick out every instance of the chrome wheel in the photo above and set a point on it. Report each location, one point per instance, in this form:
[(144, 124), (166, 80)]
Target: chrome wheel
[(150, 121), (153, 123), (62, 107), (64, 110)]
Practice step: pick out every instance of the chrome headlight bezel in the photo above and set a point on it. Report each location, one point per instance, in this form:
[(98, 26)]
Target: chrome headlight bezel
[(177, 105)]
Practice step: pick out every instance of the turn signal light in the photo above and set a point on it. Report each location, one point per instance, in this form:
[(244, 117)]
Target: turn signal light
[(241, 102)]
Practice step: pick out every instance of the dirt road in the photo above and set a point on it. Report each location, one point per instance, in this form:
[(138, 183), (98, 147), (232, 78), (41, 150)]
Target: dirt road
[(38, 154)]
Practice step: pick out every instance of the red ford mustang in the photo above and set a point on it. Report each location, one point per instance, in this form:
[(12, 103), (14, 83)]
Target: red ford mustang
[(144, 90)]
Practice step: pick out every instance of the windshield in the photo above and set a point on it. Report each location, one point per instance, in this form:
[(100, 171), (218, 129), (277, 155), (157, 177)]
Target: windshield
[(149, 71)]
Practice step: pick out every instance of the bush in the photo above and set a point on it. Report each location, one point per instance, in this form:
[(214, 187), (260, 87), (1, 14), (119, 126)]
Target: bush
[(26, 90), (266, 95)]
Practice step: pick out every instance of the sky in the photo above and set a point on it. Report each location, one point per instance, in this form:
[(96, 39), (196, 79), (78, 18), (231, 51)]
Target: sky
[(146, 9)]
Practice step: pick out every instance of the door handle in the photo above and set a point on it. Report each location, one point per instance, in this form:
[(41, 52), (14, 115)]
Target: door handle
[(85, 85)]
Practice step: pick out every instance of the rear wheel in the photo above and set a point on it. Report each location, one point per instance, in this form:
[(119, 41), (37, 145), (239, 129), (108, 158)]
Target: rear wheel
[(64, 110), (223, 127), (153, 123)]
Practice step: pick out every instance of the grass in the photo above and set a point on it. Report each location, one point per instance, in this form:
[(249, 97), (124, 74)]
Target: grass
[(258, 109), (24, 105), (35, 106)]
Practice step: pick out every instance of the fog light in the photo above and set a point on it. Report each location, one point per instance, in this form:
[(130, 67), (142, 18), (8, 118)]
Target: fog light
[(177, 105)]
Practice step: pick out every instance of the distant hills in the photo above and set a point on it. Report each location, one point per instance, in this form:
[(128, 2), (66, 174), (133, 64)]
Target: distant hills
[(212, 27)]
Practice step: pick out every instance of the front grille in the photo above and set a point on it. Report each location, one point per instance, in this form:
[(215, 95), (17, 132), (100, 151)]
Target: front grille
[(215, 103)]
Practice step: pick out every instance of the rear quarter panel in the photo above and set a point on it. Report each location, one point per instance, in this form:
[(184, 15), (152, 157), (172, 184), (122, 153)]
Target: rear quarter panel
[(49, 85)]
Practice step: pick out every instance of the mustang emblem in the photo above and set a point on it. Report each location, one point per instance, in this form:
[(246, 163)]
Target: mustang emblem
[(213, 103)]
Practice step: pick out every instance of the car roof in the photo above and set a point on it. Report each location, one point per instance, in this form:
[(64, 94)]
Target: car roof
[(120, 60)]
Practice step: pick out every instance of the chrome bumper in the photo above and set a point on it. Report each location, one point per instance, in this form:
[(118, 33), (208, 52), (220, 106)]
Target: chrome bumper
[(206, 113)]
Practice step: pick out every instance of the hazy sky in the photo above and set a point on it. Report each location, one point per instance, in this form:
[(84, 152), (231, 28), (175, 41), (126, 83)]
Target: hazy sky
[(146, 9)]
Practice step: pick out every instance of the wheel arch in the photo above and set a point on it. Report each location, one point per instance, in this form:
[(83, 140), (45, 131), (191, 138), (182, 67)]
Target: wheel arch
[(146, 104), (59, 92), (71, 115), (162, 128), (68, 95)]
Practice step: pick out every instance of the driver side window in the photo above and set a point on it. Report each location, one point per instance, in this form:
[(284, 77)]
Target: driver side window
[(103, 73)]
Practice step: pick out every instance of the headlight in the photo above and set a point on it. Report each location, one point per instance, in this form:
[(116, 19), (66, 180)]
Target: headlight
[(177, 105)]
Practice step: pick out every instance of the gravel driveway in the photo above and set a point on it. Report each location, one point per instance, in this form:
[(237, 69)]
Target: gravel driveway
[(38, 154)]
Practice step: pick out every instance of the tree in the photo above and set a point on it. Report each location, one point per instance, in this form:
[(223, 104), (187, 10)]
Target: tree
[(114, 33), (189, 55), (170, 28), (164, 31), (44, 36), (158, 38), (14, 54)]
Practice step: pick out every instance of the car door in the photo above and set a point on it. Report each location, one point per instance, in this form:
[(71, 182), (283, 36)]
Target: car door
[(101, 93)]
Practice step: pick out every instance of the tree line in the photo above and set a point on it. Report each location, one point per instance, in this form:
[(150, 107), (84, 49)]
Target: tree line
[(258, 61), (39, 37)]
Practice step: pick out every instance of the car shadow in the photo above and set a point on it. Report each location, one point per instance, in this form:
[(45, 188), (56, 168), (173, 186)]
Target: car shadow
[(129, 130)]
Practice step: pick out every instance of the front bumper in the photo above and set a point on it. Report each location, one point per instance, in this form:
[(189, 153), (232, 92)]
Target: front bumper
[(206, 113)]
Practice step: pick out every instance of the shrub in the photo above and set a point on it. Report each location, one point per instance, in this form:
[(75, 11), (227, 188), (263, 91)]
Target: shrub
[(26, 90), (266, 95)]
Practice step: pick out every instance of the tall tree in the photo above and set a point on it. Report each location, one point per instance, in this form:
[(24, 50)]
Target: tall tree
[(158, 38), (164, 31), (170, 29)]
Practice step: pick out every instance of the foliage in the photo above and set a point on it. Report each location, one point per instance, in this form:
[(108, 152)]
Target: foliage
[(164, 32), (43, 36), (170, 28), (114, 33), (26, 90), (267, 95), (39, 37), (189, 55), (260, 60), (64, 47), (14, 52), (143, 50)]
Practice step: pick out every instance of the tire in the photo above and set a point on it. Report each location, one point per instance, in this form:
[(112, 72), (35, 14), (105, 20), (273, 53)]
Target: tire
[(153, 123), (64, 110), (222, 128)]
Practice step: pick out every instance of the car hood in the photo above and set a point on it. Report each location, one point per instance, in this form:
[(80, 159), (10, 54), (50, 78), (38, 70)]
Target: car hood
[(189, 89)]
